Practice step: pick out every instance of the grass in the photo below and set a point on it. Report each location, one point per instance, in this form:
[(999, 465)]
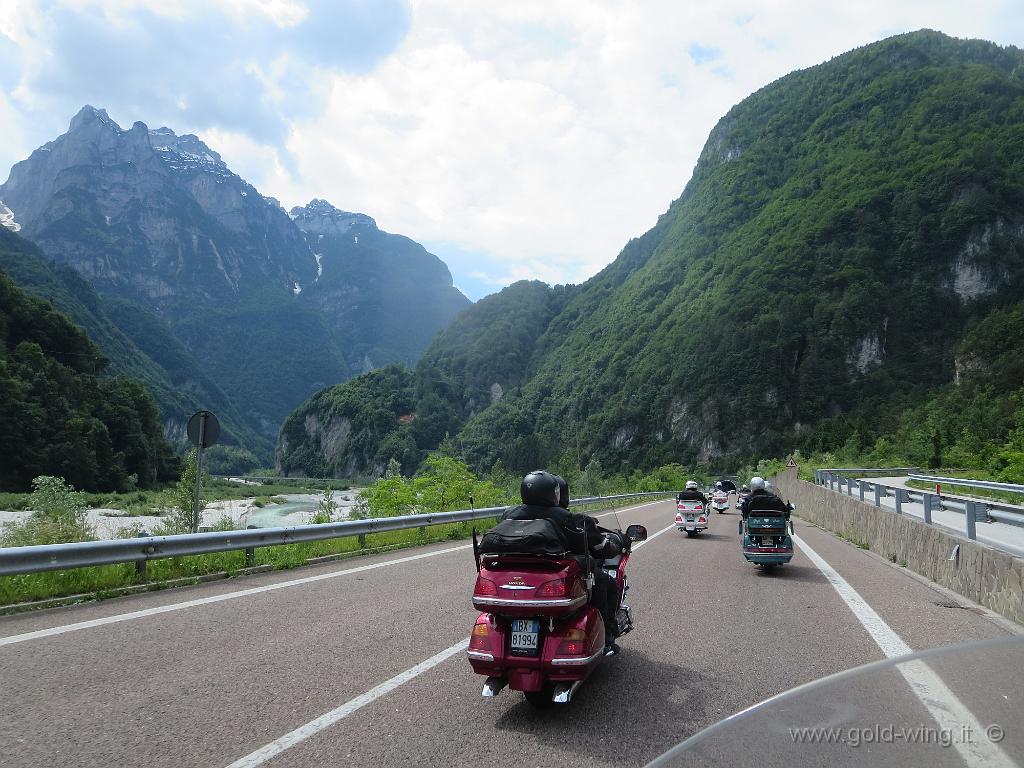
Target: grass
[(99, 581)]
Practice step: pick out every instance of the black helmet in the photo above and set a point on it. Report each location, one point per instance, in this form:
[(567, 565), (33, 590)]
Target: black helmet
[(563, 492), (539, 488)]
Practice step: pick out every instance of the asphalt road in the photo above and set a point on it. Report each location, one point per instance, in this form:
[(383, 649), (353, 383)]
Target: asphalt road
[(204, 676)]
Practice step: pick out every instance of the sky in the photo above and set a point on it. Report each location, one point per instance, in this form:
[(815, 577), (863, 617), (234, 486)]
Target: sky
[(515, 140)]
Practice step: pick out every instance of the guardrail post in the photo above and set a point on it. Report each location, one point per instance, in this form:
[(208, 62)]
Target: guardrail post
[(878, 495), (250, 552), (849, 486), (860, 489), (898, 493), (926, 501), (140, 565), (972, 532)]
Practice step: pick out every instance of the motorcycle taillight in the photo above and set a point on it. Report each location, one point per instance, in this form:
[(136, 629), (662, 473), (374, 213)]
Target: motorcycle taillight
[(554, 588), (485, 587), (574, 642), (480, 639)]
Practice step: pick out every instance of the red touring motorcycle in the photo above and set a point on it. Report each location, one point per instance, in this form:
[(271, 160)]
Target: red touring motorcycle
[(537, 632)]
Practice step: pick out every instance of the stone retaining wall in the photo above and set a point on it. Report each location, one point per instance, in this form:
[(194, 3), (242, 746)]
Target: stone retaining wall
[(985, 575)]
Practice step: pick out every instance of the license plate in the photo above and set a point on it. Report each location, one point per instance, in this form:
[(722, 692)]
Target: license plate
[(689, 527), (525, 633), (766, 541)]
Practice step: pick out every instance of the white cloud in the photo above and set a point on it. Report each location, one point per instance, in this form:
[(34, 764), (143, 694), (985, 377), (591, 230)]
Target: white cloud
[(548, 134), (543, 135)]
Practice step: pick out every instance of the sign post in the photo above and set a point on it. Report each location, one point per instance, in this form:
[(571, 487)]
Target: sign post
[(203, 430)]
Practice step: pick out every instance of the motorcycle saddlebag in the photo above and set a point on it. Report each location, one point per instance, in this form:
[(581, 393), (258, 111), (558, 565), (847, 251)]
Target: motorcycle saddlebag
[(523, 537)]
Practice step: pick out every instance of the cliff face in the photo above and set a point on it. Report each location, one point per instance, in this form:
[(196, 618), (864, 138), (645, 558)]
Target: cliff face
[(388, 290), (153, 216)]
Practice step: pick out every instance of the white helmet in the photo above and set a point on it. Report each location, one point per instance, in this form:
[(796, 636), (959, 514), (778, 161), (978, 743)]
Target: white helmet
[(757, 484), (769, 487), (691, 485), (718, 484)]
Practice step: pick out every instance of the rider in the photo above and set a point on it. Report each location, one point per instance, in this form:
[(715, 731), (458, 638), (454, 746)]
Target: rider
[(762, 499), (542, 495), (692, 493)]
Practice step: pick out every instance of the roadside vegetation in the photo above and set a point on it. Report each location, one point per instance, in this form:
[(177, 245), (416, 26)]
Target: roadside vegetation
[(444, 483)]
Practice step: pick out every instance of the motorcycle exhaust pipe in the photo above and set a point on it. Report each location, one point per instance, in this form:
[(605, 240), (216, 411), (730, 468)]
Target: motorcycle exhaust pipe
[(493, 686), (564, 691)]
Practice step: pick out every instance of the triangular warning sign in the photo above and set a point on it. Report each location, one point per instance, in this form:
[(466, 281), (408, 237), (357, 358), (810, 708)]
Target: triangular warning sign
[(791, 463)]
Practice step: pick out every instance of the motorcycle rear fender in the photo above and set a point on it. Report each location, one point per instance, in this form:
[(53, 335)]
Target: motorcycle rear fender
[(524, 672)]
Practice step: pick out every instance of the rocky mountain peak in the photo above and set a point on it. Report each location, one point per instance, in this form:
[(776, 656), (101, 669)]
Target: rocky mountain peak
[(188, 147), (319, 217), (88, 115)]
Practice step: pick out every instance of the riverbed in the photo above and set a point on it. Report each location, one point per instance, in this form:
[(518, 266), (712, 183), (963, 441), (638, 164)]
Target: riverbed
[(294, 509)]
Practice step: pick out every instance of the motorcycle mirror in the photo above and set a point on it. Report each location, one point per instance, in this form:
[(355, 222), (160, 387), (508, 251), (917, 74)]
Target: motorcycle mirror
[(636, 533)]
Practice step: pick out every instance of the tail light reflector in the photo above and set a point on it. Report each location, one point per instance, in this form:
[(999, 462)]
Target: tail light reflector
[(555, 588), (574, 642), (485, 587), (480, 640)]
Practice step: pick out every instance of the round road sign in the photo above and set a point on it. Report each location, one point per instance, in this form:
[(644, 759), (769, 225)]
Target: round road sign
[(205, 425)]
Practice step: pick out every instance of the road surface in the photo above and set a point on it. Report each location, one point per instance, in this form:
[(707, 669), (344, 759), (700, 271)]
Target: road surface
[(362, 661)]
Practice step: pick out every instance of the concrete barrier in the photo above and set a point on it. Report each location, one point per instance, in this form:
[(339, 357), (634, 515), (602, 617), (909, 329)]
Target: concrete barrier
[(985, 575)]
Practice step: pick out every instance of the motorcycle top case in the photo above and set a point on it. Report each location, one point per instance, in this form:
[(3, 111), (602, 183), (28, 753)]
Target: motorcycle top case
[(529, 585)]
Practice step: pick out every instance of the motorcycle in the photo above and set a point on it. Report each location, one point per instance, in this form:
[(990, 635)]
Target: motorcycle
[(720, 501), (766, 538), (691, 517), (537, 632)]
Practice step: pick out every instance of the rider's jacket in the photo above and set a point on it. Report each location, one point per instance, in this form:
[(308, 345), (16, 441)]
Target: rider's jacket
[(692, 496), (763, 501)]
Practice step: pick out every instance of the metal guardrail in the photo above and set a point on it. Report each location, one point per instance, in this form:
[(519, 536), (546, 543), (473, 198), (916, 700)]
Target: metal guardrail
[(974, 511), (866, 470), (966, 483), (82, 554)]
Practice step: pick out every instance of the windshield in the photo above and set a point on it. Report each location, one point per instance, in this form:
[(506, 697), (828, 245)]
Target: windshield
[(952, 706)]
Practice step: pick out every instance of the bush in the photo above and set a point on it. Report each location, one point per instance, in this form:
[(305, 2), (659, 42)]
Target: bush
[(59, 515)]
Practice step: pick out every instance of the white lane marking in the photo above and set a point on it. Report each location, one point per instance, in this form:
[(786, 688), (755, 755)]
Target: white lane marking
[(630, 509), (313, 727), (41, 633), (654, 536), (328, 719), (10, 640), (949, 712)]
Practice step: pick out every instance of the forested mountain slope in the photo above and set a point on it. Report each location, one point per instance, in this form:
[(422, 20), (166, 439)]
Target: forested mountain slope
[(846, 229), (169, 372), (58, 416)]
